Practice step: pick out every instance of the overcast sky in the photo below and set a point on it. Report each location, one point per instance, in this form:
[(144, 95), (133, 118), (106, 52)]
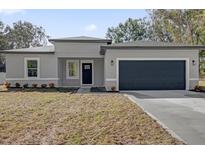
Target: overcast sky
[(63, 23)]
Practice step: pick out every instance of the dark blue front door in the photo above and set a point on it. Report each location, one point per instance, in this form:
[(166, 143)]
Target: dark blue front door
[(87, 73)]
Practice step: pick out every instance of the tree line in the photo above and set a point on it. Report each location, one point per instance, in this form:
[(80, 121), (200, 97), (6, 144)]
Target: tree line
[(180, 26)]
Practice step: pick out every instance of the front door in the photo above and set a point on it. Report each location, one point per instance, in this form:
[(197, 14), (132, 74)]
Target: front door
[(87, 73)]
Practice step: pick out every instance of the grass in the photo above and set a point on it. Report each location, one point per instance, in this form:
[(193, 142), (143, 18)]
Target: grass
[(71, 118)]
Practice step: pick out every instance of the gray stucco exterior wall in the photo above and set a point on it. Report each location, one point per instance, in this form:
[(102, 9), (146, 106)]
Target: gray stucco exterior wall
[(15, 69), (113, 54), (75, 49)]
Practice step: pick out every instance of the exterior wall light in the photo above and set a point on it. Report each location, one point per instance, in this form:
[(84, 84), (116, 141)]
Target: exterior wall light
[(112, 62), (193, 62)]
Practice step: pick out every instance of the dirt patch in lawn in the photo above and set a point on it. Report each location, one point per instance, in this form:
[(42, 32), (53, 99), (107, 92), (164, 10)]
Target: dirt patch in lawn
[(66, 118)]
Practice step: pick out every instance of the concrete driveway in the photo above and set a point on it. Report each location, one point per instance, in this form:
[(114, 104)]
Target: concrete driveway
[(183, 112)]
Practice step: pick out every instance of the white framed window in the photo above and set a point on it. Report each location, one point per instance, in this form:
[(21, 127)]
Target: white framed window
[(32, 67), (72, 69)]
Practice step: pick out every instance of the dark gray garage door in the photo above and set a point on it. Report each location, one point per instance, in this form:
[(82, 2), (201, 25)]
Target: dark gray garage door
[(152, 75)]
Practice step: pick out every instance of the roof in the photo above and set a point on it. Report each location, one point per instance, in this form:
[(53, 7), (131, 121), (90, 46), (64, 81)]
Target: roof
[(44, 49), (80, 39), (126, 45), (150, 45)]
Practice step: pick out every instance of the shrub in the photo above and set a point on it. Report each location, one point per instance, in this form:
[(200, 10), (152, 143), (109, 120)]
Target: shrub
[(51, 85), (34, 85), (198, 88), (113, 88), (43, 85), (7, 84), (25, 85), (18, 85)]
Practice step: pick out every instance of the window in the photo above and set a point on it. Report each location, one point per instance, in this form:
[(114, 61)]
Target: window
[(86, 67), (72, 69), (2, 68), (32, 67)]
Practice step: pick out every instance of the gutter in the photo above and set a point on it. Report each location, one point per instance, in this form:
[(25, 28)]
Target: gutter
[(81, 41), (24, 52)]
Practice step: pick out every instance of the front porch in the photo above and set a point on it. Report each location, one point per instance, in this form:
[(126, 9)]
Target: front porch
[(81, 72)]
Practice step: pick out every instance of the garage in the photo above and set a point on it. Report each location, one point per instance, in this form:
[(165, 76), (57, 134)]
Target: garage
[(152, 74)]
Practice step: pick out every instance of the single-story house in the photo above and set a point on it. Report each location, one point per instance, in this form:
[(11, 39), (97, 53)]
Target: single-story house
[(95, 62)]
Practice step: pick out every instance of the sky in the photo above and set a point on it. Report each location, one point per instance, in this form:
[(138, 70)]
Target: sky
[(68, 23)]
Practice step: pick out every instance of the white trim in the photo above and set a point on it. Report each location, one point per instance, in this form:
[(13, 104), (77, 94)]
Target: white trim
[(144, 59), (104, 78), (67, 69), (2, 77), (195, 79), (30, 79), (111, 79), (81, 76), (26, 69)]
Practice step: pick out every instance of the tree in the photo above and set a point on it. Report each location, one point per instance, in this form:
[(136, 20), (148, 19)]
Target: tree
[(21, 35), (3, 41), (181, 26), (25, 35), (131, 30)]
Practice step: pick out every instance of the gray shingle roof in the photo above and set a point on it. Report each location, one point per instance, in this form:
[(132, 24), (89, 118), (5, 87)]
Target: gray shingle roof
[(81, 38), (44, 49)]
